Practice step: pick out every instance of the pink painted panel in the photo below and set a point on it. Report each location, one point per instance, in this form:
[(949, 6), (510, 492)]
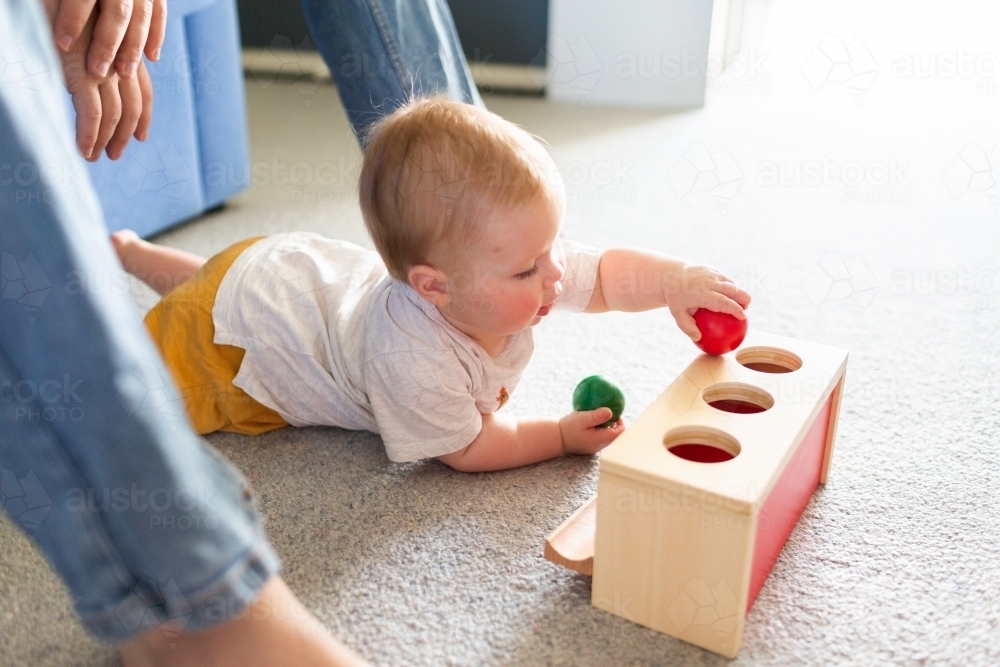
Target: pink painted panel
[(790, 495)]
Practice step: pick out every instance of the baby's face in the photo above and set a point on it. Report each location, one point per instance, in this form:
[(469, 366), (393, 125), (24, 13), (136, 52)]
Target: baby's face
[(510, 277)]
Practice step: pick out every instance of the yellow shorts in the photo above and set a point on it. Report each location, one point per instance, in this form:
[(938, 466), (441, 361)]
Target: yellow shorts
[(182, 327)]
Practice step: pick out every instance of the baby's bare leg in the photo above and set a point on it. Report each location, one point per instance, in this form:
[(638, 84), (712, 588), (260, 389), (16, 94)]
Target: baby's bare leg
[(276, 630), (158, 266)]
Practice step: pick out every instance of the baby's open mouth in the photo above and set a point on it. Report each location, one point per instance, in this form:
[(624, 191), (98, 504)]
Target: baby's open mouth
[(544, 310)]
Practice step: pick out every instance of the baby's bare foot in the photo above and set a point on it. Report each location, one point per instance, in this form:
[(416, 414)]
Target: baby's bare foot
[(124, 240), (275, 630)]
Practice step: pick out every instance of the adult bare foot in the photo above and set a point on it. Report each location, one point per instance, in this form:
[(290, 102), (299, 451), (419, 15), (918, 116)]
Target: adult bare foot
[(275, 630)]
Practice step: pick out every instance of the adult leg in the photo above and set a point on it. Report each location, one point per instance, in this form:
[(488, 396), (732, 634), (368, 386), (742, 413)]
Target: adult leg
[(383, 52), (90, 419), (98, 463), (276, 630)]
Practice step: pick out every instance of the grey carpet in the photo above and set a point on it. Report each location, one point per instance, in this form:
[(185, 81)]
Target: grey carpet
[(896, 560)]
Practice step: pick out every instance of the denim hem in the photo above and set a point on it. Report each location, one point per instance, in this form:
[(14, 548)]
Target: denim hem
[(221, 600)]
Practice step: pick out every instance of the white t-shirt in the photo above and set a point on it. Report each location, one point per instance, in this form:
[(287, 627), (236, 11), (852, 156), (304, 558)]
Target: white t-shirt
[(331, 339)]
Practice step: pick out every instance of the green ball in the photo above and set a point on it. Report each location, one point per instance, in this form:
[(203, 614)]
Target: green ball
[(597, 392)]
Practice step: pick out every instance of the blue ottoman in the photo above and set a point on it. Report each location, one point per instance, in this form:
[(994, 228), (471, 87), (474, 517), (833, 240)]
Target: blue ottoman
[(196, 154)]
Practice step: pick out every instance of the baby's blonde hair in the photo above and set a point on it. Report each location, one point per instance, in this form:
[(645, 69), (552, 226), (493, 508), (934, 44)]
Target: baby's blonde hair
[(435, 171)]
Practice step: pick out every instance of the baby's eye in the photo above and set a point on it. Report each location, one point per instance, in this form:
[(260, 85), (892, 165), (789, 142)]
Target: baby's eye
[(527, 274)]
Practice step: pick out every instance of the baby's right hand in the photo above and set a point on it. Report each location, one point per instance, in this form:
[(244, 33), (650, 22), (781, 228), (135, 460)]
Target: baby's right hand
[(582, 433)]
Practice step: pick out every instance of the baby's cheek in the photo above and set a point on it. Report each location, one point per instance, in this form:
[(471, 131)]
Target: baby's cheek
[(524, 307), (514, 309)]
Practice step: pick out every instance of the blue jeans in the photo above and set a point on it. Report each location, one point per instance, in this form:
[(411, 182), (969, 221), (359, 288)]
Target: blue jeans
[(98, 463), (382, 52), (142, 520)]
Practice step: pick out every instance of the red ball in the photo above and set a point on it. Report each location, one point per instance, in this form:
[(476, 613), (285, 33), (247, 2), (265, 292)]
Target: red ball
[(720, 332)]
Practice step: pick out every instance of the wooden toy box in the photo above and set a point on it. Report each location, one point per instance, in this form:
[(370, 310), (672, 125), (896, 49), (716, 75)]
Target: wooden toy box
[(694, 502)]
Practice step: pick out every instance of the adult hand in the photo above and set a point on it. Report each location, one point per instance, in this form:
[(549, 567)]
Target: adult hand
[(110, 109), (125, 29)]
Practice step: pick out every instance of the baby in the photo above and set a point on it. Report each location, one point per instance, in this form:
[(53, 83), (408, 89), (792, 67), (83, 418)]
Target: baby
[(425, 340)]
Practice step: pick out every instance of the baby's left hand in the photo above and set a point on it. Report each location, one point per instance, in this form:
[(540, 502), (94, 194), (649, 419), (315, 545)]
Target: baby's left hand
[(703, 287)]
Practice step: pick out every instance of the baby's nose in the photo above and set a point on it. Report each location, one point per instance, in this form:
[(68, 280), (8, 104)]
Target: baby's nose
[(555, 272)]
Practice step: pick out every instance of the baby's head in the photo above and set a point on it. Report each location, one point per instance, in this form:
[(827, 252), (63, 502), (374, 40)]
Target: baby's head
[(465, 207), (436, 175)]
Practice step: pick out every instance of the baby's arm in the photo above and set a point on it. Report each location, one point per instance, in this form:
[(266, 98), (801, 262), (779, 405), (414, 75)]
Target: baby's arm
[(508, 443), (634, 280)]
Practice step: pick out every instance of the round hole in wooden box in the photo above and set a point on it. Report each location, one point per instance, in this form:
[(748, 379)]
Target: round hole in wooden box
[(701, 444), (737, 398), (769, 359)]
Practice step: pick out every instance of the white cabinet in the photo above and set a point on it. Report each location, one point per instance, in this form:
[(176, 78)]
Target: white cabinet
[(641, 53)]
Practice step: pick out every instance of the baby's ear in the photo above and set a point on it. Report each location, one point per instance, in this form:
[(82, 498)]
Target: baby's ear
[(430, 283)]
